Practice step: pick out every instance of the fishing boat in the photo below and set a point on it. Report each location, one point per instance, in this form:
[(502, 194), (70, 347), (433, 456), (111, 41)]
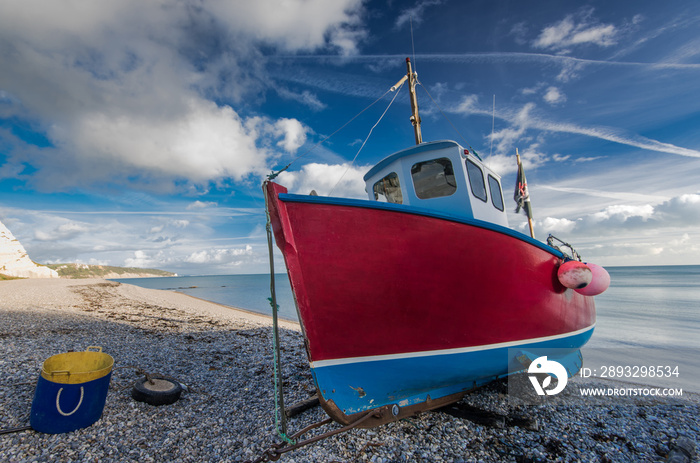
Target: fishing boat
[(420, 293)]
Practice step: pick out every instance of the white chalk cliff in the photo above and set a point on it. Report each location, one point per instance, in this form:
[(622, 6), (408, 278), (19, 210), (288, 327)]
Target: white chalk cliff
[(14, 260)]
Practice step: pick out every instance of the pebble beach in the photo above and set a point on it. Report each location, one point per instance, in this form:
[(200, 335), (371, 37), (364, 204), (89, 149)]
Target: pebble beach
[(223, 358)]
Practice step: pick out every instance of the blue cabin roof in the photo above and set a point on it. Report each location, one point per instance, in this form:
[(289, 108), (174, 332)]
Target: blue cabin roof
[(441, 176), (430, 146)]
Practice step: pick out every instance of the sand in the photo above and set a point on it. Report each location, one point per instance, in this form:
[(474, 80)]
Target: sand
[(223, 357), (60, 294)]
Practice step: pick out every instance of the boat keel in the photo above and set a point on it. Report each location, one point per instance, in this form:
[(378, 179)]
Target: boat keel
[(387, 414)]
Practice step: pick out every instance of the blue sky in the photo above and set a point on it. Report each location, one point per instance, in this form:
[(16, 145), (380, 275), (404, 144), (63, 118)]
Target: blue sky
[(138, 133)]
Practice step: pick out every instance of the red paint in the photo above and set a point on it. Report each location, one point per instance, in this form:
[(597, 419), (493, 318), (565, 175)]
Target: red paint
[(374, 282)]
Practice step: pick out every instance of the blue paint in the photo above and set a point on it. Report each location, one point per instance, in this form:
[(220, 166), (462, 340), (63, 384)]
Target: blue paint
[(360, 386), (431, 146), (59, 408)]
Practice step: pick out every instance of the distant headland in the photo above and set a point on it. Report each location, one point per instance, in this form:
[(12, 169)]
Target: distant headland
[(106, 271)]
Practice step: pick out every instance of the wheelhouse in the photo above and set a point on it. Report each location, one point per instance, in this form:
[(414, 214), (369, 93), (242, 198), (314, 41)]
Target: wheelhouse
[(441, 176)]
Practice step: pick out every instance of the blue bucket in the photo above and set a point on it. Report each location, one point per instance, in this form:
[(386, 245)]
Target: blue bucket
[(71, 391)]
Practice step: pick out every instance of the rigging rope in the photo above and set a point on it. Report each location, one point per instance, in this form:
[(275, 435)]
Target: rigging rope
[(365, 142), (274, 174)]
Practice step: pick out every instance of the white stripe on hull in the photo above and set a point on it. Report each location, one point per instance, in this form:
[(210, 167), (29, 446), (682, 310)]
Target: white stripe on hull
[(459, 350)]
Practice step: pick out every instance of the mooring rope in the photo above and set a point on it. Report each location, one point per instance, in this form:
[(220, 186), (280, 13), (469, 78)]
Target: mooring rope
[(280, 417)]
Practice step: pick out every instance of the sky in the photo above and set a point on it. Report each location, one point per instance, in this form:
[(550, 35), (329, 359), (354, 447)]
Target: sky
[(139, 133)]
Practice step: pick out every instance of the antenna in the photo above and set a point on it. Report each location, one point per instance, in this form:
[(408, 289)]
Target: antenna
[(493, 123), (413, 47), (412, 82)]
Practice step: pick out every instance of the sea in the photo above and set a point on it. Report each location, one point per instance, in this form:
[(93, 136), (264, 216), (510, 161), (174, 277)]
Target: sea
[(649, 316)]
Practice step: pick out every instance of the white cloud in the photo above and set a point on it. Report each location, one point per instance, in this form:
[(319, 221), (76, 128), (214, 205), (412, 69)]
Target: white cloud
[(140, 260), (202, 143), (554, 96), (555, 226), (616, 196), (507, 137), (532, 90), (519, 32), (505, 164), (528, 117), (685, 53), (469, 105), (570, 70), (295, 24), (167, 240), (683, 209), (628, 234), (588, 159), (182, 223), (200, 205), (306, 98), (292, 132), (125, 90), (415, 14), (567, 33), (621, 213), (682, 241), (341, 179), (219, 256), (65, 230), (679, 213)]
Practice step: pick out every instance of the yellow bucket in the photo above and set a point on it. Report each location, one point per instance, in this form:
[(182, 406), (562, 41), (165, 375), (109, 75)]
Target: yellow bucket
[(77, 367), (71, 391)]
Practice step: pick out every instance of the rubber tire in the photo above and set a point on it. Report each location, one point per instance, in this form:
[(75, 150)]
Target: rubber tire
[(156, 396)]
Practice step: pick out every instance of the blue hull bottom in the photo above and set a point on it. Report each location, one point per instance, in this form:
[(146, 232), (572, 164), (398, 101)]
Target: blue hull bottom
[(362, 384)]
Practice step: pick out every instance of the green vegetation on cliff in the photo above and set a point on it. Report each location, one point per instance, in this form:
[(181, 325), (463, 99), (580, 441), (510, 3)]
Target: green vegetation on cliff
[(105, 271)]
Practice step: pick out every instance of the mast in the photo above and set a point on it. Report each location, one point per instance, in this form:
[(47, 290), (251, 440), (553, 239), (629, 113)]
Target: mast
[(415, 117), (412, 78)]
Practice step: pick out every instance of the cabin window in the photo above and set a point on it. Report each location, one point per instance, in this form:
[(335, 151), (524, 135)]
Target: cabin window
[(476, 180), (496, 196), (388, 189), (433, 179)]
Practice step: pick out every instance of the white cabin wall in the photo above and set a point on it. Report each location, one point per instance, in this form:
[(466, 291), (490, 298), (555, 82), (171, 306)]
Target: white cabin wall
[(485, 210)]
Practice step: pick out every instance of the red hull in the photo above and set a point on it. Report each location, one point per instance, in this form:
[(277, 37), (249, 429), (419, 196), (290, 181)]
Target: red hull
[(370, 281)]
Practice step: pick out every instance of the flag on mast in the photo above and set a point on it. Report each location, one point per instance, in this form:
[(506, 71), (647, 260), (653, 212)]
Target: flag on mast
[(522, 195)]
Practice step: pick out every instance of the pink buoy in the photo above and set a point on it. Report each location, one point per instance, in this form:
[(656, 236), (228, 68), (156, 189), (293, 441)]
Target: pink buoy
[(574, 274), (599, 283)]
